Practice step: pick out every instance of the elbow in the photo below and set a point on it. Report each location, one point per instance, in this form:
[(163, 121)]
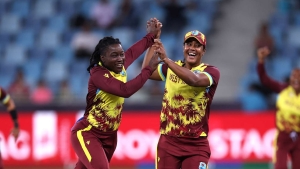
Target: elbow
[(197, 83), (263, 82), (127, 95), (126, 92), (191, 82)]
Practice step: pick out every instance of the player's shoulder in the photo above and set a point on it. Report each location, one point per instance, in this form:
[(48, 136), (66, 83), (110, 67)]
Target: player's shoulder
[(98, 68), (213, 71), (98, 71), (208, 66)]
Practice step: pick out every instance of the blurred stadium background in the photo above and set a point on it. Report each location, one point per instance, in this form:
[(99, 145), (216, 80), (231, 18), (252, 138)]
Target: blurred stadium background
[(44, 70)]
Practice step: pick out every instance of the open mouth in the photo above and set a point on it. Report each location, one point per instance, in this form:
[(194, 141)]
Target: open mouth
[(120, 65), (191, 55)]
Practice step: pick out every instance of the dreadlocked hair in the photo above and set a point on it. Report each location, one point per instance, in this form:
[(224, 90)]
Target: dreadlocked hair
[(100, 49)]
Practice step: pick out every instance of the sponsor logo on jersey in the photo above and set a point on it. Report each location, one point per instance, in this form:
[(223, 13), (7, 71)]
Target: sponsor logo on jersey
[(202, 165)]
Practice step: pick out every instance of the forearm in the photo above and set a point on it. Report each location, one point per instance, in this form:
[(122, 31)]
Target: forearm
[(148, 55), (261, 60), (185, 74), (266, 80), (118, 88), (138, 48), (135, 84), (11, 108)]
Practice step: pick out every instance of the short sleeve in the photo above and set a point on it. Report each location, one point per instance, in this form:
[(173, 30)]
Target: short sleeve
[(162, 71), (213, 74), (209, 77)]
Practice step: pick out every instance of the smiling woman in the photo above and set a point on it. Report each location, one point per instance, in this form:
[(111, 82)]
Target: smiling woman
[(115, 58), (189, 89), (94, 136), (110, 55)]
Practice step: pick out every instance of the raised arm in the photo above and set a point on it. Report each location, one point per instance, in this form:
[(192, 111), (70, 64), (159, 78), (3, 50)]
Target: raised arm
[(137, 49), (153, 30), (150, 50), (275, 86), (103, 80), (149, 53)]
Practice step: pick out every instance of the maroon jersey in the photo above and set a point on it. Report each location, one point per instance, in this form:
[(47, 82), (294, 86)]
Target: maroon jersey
[(287, 104), (267, 81), (185, 109), (107, 90)]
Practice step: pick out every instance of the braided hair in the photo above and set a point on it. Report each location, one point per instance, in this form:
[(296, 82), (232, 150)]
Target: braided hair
[(100, 49)]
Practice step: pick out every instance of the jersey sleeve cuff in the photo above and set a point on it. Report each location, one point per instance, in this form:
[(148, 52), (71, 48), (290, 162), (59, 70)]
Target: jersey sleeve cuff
[(160, 72), (209, 77)]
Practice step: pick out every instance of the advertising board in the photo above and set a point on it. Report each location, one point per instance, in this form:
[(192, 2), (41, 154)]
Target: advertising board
[(44, 138)]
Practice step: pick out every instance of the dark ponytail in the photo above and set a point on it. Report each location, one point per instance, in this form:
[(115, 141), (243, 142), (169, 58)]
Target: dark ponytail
[(100, 49)]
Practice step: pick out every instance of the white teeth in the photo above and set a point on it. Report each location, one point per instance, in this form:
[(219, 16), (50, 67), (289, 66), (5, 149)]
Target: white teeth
[(192, 54)]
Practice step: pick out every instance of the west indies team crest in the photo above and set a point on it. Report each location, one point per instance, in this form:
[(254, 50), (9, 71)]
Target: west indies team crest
[(123, 73), (202, 165), (195, 33)]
